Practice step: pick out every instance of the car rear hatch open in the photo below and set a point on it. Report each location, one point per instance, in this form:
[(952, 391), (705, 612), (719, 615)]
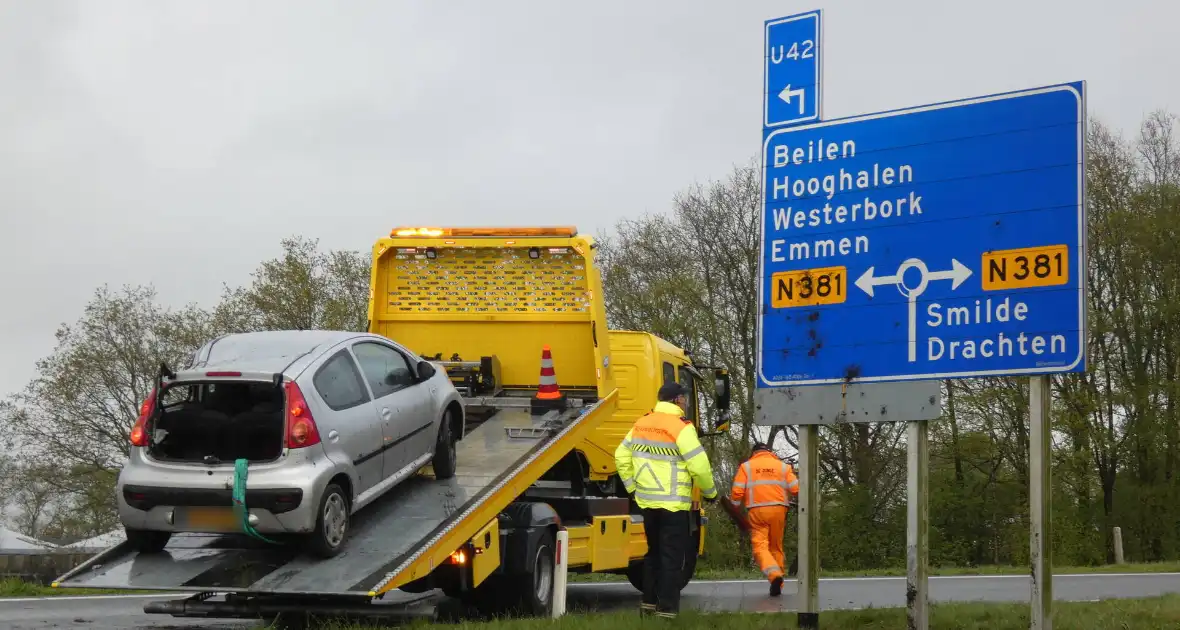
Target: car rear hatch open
[(216, 418)]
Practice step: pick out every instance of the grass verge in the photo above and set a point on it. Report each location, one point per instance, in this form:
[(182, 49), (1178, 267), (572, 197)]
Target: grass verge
[(749, 574), (1124, 614), (11, 587)]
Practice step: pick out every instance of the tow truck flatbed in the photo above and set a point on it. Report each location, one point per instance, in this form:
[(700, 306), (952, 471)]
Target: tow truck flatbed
[(400, 537)]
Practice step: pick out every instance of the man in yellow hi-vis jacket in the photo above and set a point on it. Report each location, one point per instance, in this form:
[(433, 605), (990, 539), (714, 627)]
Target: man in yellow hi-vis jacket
[(658, 462)]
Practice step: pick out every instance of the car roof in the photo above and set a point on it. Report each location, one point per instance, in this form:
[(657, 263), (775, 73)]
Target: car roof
[(268, 351)]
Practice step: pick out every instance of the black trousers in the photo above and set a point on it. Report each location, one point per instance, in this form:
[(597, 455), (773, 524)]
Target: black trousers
[(663, 566)]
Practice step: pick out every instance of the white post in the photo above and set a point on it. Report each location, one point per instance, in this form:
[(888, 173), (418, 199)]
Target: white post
[(560, 573), (1039, 496), (807, 603), (917, 532)]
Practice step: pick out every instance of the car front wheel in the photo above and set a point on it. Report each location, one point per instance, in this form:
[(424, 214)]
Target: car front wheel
[(332, 521), (445, 451)]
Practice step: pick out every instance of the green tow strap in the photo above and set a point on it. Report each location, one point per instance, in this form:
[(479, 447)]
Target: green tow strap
[(241, 471)]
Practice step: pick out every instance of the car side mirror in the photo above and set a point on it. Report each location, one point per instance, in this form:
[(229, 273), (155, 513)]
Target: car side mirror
[(426, 370)]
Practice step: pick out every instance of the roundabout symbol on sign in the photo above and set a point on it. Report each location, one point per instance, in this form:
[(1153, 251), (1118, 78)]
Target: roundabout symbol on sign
[(958, 273)]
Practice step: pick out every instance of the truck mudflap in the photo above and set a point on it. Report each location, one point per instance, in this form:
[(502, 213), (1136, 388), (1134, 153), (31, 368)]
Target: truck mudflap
[(400, 537)]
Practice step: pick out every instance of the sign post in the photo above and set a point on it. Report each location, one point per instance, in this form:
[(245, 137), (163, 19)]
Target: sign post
[(917, 544), (1039, 497), (807, 599)]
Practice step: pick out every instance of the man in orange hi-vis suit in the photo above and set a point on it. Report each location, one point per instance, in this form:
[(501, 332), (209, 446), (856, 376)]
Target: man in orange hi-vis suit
[(762, 485)]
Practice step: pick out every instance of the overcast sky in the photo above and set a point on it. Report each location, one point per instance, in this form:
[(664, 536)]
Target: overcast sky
[(175, 143)]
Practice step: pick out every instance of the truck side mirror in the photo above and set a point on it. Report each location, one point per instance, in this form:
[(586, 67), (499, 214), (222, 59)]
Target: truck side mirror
[(721, 388)]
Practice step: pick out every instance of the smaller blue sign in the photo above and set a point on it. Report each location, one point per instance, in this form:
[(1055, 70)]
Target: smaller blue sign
[(793, 69)]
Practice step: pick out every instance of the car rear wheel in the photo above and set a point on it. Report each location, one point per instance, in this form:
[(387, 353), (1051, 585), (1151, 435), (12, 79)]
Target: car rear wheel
[(331, 528), (146, 541), (445, 452)]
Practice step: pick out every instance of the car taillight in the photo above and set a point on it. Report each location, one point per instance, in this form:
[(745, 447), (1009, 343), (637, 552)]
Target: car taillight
[(139, 436), (301, 429)]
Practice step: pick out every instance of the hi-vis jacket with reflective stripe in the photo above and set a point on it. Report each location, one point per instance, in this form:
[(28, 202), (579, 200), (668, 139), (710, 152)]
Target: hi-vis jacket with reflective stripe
[(661, 457), (763, 480)]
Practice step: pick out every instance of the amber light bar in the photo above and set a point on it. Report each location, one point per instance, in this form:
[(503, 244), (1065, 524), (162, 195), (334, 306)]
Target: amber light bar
[(463, 232)]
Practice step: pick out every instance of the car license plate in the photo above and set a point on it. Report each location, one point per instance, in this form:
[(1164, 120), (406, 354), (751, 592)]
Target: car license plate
[(211, 518)]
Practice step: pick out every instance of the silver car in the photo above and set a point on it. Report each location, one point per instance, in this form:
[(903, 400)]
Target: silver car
[(326, 422)]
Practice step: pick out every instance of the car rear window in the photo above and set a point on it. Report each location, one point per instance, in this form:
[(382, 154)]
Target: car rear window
[(339, 383)]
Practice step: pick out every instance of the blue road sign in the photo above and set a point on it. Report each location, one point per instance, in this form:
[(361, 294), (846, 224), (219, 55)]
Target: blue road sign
[(942, 241), (793, 70)]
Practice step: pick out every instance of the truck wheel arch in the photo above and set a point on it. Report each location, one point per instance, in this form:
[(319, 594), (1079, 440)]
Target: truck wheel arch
[(522, 526)]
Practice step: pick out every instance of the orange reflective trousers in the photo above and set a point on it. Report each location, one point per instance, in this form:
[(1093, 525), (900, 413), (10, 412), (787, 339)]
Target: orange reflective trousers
[(763, 484), (766, 535)]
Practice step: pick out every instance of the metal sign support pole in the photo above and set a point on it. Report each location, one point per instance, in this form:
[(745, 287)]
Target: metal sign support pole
[(917, 551), (1039, 496), (808, 597)]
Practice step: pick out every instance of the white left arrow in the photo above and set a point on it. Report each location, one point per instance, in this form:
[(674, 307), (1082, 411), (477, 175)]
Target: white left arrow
[(958, 273), (787, 94), (866, 281)]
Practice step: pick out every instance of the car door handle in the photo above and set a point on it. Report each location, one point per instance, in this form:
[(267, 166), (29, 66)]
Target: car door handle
[(385, 412)]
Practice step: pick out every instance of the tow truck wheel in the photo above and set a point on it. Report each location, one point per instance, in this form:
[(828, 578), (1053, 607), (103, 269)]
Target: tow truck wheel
[(537, 587), (331, 526), (146, 541), (527, 594), (445, 455)]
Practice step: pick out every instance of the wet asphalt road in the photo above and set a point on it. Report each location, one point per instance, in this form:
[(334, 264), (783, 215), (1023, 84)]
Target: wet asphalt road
[(125, 612)]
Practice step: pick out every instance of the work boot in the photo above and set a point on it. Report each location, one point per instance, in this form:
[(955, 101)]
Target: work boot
[(776, 586)]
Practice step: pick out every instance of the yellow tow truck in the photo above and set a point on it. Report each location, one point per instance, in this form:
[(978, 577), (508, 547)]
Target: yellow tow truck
[(486, 304)]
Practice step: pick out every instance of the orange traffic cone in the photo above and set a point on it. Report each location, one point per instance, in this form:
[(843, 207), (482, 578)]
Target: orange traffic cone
[(548, 395)]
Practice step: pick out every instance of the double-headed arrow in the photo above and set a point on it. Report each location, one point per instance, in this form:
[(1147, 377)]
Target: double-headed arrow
[(787, 94), (958, 273)]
